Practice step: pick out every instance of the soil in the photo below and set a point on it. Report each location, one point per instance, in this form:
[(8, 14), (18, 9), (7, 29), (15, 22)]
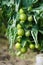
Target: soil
[(7, 59)]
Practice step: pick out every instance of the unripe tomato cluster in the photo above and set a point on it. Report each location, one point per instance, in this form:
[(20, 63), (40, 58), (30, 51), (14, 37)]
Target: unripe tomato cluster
[(24, 38)]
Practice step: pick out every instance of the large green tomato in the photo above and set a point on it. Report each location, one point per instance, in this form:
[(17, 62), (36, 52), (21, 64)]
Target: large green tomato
[(20, 32), (30, 18), (17, 45), (23, 50), (21, 11), (23, 17), (27, 33), (19, 26), (31, 46)]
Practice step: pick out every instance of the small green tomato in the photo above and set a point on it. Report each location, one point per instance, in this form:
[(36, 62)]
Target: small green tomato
[(19, 38), (29, 8), (38, 46), (22, 21), (27, 33), (21, 11), (32, 46), (23, 50), (19, 26), (17, 45), (30, 18)]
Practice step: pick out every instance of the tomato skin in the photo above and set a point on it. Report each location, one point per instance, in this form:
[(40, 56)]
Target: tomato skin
[(23, 50), (23, 17), (31, 46), (30, 18), (19, 26), (21, 11), (20, 32), (17, 45), (27, 33)]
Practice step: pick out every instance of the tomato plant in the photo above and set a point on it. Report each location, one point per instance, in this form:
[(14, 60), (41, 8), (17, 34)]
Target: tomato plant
[(24, 21)]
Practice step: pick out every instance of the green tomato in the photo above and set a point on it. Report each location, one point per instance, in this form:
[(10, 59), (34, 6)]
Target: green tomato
[(19, 26), (21, 11), (38, 46), (23, 50), (23, 17), (20, 32), (27, 33), (22, 21), (19, 38), (31, 46), (29, 8), (17, 45), (30, 18)]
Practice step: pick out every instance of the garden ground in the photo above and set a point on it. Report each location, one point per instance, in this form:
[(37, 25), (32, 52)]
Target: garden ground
[(7, 59)]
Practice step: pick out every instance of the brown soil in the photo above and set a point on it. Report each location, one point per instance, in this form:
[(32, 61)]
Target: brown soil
[(7, 59)]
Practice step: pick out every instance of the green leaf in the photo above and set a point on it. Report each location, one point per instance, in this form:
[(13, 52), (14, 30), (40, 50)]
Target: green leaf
[(26, 3), (11, 34), (7, 2), (41, 31), (34, 33)]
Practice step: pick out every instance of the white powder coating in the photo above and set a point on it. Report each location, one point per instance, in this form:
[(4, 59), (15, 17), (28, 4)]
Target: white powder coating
[(39, 59)]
